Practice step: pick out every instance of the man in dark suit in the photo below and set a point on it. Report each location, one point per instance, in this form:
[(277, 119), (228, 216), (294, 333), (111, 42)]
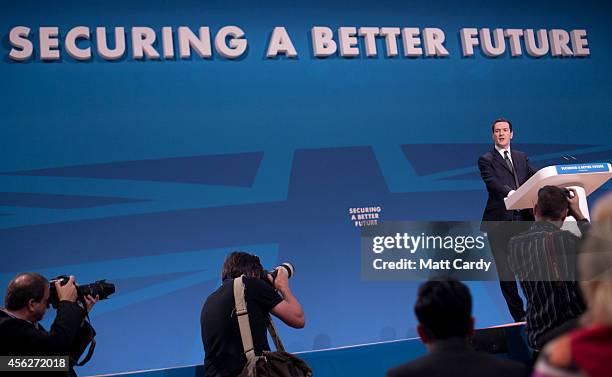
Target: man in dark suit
[(444, 312), (26, 302), (503, 171)]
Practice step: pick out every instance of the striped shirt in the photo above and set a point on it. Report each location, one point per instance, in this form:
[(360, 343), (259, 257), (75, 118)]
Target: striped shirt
[(543, 259)]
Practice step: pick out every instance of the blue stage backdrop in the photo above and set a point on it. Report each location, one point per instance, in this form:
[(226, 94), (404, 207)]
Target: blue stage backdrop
[(148, 172)]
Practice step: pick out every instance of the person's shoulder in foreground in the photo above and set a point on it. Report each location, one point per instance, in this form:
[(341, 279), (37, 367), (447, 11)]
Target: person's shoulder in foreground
[(457, 361), (445, 324)]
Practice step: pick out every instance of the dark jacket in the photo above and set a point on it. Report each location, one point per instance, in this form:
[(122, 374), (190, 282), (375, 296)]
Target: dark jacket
[(455, 358), (499, 180), (68, 336)]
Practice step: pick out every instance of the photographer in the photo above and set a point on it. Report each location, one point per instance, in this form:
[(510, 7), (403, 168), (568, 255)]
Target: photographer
[(224, 354), (26, 301), (544, 261)]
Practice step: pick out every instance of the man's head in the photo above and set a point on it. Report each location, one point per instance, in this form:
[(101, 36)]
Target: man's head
[(502, 132), (444, 310), (552, 204), (240, 263), (28, 295)]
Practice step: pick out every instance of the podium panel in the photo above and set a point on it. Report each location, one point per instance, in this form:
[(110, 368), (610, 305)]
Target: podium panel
[(585, 178)]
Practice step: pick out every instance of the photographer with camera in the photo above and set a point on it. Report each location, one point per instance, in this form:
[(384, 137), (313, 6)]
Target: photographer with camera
[(26, 302), (544, 260), (221, 336)]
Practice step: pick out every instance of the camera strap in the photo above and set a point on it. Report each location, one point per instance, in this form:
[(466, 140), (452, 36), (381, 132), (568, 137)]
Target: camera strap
[(90, 352), (243, 319), (92, 340), (273, 334), (245, 326)]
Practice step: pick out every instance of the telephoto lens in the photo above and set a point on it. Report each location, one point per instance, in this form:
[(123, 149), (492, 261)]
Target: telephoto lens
[(287, 266), (100, 288)]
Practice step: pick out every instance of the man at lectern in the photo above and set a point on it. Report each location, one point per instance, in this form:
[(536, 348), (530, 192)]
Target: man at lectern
[(504, 170)]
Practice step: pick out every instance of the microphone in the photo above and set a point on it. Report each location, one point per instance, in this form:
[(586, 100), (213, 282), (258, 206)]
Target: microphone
[(570, 159)]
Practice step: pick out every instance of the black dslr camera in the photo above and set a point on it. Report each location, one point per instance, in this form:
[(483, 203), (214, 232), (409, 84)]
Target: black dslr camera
[(100, 288)]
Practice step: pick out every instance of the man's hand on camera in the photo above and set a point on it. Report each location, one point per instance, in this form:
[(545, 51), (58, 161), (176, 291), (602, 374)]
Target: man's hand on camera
[(68, 291), (289, 310), (90, 302), (281, 283), (574, 205)]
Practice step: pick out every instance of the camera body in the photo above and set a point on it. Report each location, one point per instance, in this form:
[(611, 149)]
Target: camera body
[(100, 288)]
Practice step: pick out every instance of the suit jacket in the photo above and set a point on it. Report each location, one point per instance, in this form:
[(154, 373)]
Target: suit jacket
[(499, 180), (68, 336), (455, 358)]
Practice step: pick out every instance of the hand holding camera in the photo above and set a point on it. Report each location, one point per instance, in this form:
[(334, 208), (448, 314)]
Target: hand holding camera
[(279, 277), (574, 204), (66, 291), (64, 288), (90, 302), (281, 283)]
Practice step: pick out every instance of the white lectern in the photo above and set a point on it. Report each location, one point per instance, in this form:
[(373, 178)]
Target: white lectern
[(585, 178)]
